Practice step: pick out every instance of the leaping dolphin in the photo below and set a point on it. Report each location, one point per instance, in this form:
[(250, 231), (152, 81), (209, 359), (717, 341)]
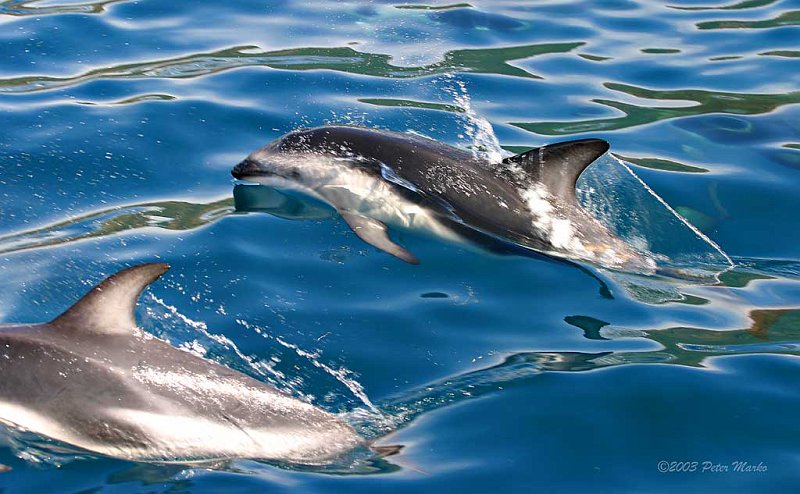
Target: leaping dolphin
[(92, 379), (377, 177)]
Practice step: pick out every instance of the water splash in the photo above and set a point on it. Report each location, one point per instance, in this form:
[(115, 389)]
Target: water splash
[(680, 218), (342, 375), (612, 192), (478, 131), (609, 197), (261, 368)]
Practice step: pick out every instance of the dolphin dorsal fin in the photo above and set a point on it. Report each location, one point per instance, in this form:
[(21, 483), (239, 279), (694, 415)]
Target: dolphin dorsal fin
[(108, 307), (558, 166)]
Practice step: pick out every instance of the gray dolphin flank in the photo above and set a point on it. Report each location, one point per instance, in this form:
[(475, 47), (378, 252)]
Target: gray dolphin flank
[(375, 178), (92, 379)]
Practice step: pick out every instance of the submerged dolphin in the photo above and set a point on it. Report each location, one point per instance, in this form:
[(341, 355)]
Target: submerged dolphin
[(377, 177), (92, 379)]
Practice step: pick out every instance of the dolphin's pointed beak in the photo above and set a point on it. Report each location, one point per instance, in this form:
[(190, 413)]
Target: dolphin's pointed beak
[(247, 168)]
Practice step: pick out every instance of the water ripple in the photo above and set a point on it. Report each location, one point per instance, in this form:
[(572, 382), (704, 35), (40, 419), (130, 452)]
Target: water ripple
[(785, 19), (746, 4), (772, 332), (701, 102), (484, 61), (434, 7), (169, 215), (26, 8)]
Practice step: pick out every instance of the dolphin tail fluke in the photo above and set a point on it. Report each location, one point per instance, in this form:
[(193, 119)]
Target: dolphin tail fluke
[(558, 166), (376, 234), (108, 307)]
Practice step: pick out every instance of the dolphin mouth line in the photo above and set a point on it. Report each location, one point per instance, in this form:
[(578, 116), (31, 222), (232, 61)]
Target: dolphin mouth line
[(249, 168)]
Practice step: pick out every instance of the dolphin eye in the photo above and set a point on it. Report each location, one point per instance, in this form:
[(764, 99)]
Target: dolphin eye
[(294, 174)]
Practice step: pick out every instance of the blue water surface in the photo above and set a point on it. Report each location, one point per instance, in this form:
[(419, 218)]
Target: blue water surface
[(119, 124)]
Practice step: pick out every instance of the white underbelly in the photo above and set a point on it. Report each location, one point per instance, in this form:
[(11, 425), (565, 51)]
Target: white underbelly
[(385, 205), (195, 437), (356, 191), (167, 437)]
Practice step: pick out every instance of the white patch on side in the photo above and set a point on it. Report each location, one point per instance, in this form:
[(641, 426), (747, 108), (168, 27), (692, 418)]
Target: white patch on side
[(559, 230), (192, 436), (587, 240)]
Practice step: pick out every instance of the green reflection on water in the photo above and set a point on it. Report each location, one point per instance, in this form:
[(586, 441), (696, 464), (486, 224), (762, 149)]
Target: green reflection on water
[(725, 57), (391, 102), (661, 164), (594, 58), (129, 101), (169, 215), (774, 331), (635, 115), (659, 51), (746, 4), (736, 278), (345, 59), (435, 7), (785, 19), (25, 8), (782, 53)]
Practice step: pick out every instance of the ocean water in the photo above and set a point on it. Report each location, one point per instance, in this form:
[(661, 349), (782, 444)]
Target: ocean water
[(119, 124)]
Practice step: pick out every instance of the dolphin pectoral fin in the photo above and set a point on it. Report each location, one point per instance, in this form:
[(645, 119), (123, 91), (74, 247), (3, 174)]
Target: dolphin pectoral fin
[(559, 165), (108, 307), (376, 234)]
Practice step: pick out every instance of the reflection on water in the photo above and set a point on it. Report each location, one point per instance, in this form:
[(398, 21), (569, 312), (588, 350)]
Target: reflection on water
[(698, 102), (407, 103), (784, 19), (29, 7), (134, 99), (483, 61), (169, 215), (772, 332), (434, 7), (153, 475), (782, 53), (282, 204), (745, 4), (661, 164)]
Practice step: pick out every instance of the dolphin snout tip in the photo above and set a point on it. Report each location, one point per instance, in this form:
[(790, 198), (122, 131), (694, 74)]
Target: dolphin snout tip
[(246, 168)]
